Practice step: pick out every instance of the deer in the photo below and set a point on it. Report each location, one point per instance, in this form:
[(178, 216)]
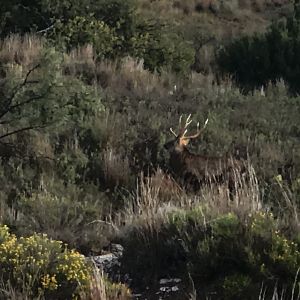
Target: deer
[(194, 170)]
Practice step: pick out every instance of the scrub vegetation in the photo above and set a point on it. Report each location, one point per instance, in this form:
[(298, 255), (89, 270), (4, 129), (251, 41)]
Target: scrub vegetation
[(88, 92)]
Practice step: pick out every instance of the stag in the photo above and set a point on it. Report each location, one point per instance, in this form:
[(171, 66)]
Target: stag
[(193, 170)]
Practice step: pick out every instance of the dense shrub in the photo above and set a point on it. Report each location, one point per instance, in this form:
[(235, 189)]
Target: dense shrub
[(253, 61), (150, 43), (120, 15), (159, 49), (81, 31)]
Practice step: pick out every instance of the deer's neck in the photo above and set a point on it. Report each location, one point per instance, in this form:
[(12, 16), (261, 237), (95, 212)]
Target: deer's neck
[(179, 159)]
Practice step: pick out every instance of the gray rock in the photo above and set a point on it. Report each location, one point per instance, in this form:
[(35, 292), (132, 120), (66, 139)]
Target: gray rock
[(110, 263)]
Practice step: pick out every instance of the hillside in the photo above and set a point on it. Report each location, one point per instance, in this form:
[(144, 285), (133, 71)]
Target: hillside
[(88, 93)]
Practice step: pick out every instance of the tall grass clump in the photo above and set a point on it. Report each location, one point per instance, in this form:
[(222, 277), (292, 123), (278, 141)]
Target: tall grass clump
[(101, 288)]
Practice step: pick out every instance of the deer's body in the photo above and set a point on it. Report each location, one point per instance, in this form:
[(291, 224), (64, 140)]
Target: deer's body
[(194, 169)]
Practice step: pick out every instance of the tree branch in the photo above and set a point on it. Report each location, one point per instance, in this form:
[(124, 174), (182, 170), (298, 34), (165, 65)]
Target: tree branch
[(16, 90), (21, 130), (46, 29), (31, 99)]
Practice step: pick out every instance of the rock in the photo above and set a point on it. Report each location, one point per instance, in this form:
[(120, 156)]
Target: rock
[(169, 281), (117, 250), (169, 287), (110, 263)]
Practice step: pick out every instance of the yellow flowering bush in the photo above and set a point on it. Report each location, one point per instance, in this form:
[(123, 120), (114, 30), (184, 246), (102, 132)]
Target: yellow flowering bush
[(49, 282), (262, 224), (41, 265), (72, 266), (284, 252), (4, 233), (281, 253)]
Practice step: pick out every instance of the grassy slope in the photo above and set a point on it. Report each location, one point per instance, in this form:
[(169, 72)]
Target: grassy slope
[(229, 20), (266, 126)]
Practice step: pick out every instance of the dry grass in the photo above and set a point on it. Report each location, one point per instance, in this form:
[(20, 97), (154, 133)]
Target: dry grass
[(288, 208), (23, 51), (121, 77), (246, 198), (130, 76), (148, 206), (215, 16), (101, 289), (116, 168), (20, 53), (7, 291), (81, 61), (41, 145), (163, 185), (126, 77), (157, 191)]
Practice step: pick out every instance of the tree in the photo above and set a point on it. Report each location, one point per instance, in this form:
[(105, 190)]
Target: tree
[(43, 97)]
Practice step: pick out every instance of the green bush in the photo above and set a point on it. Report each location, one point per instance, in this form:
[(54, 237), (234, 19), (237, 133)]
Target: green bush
[(280, 255), (235, 286), (81, 31), (161, 50), (121, 15), (255, 61)]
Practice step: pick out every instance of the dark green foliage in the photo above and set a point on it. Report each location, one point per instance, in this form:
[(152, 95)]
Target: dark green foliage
[(45, 117), (145, 39), (159, 49), (81, 31), (120, 15), (25, 16), (257, 60), (21, 16)]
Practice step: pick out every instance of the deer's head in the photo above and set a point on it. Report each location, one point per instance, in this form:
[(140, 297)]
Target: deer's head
[(181, 139)]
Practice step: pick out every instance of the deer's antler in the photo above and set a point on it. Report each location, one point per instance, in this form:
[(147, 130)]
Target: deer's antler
[(199, 131), (182, 129)]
